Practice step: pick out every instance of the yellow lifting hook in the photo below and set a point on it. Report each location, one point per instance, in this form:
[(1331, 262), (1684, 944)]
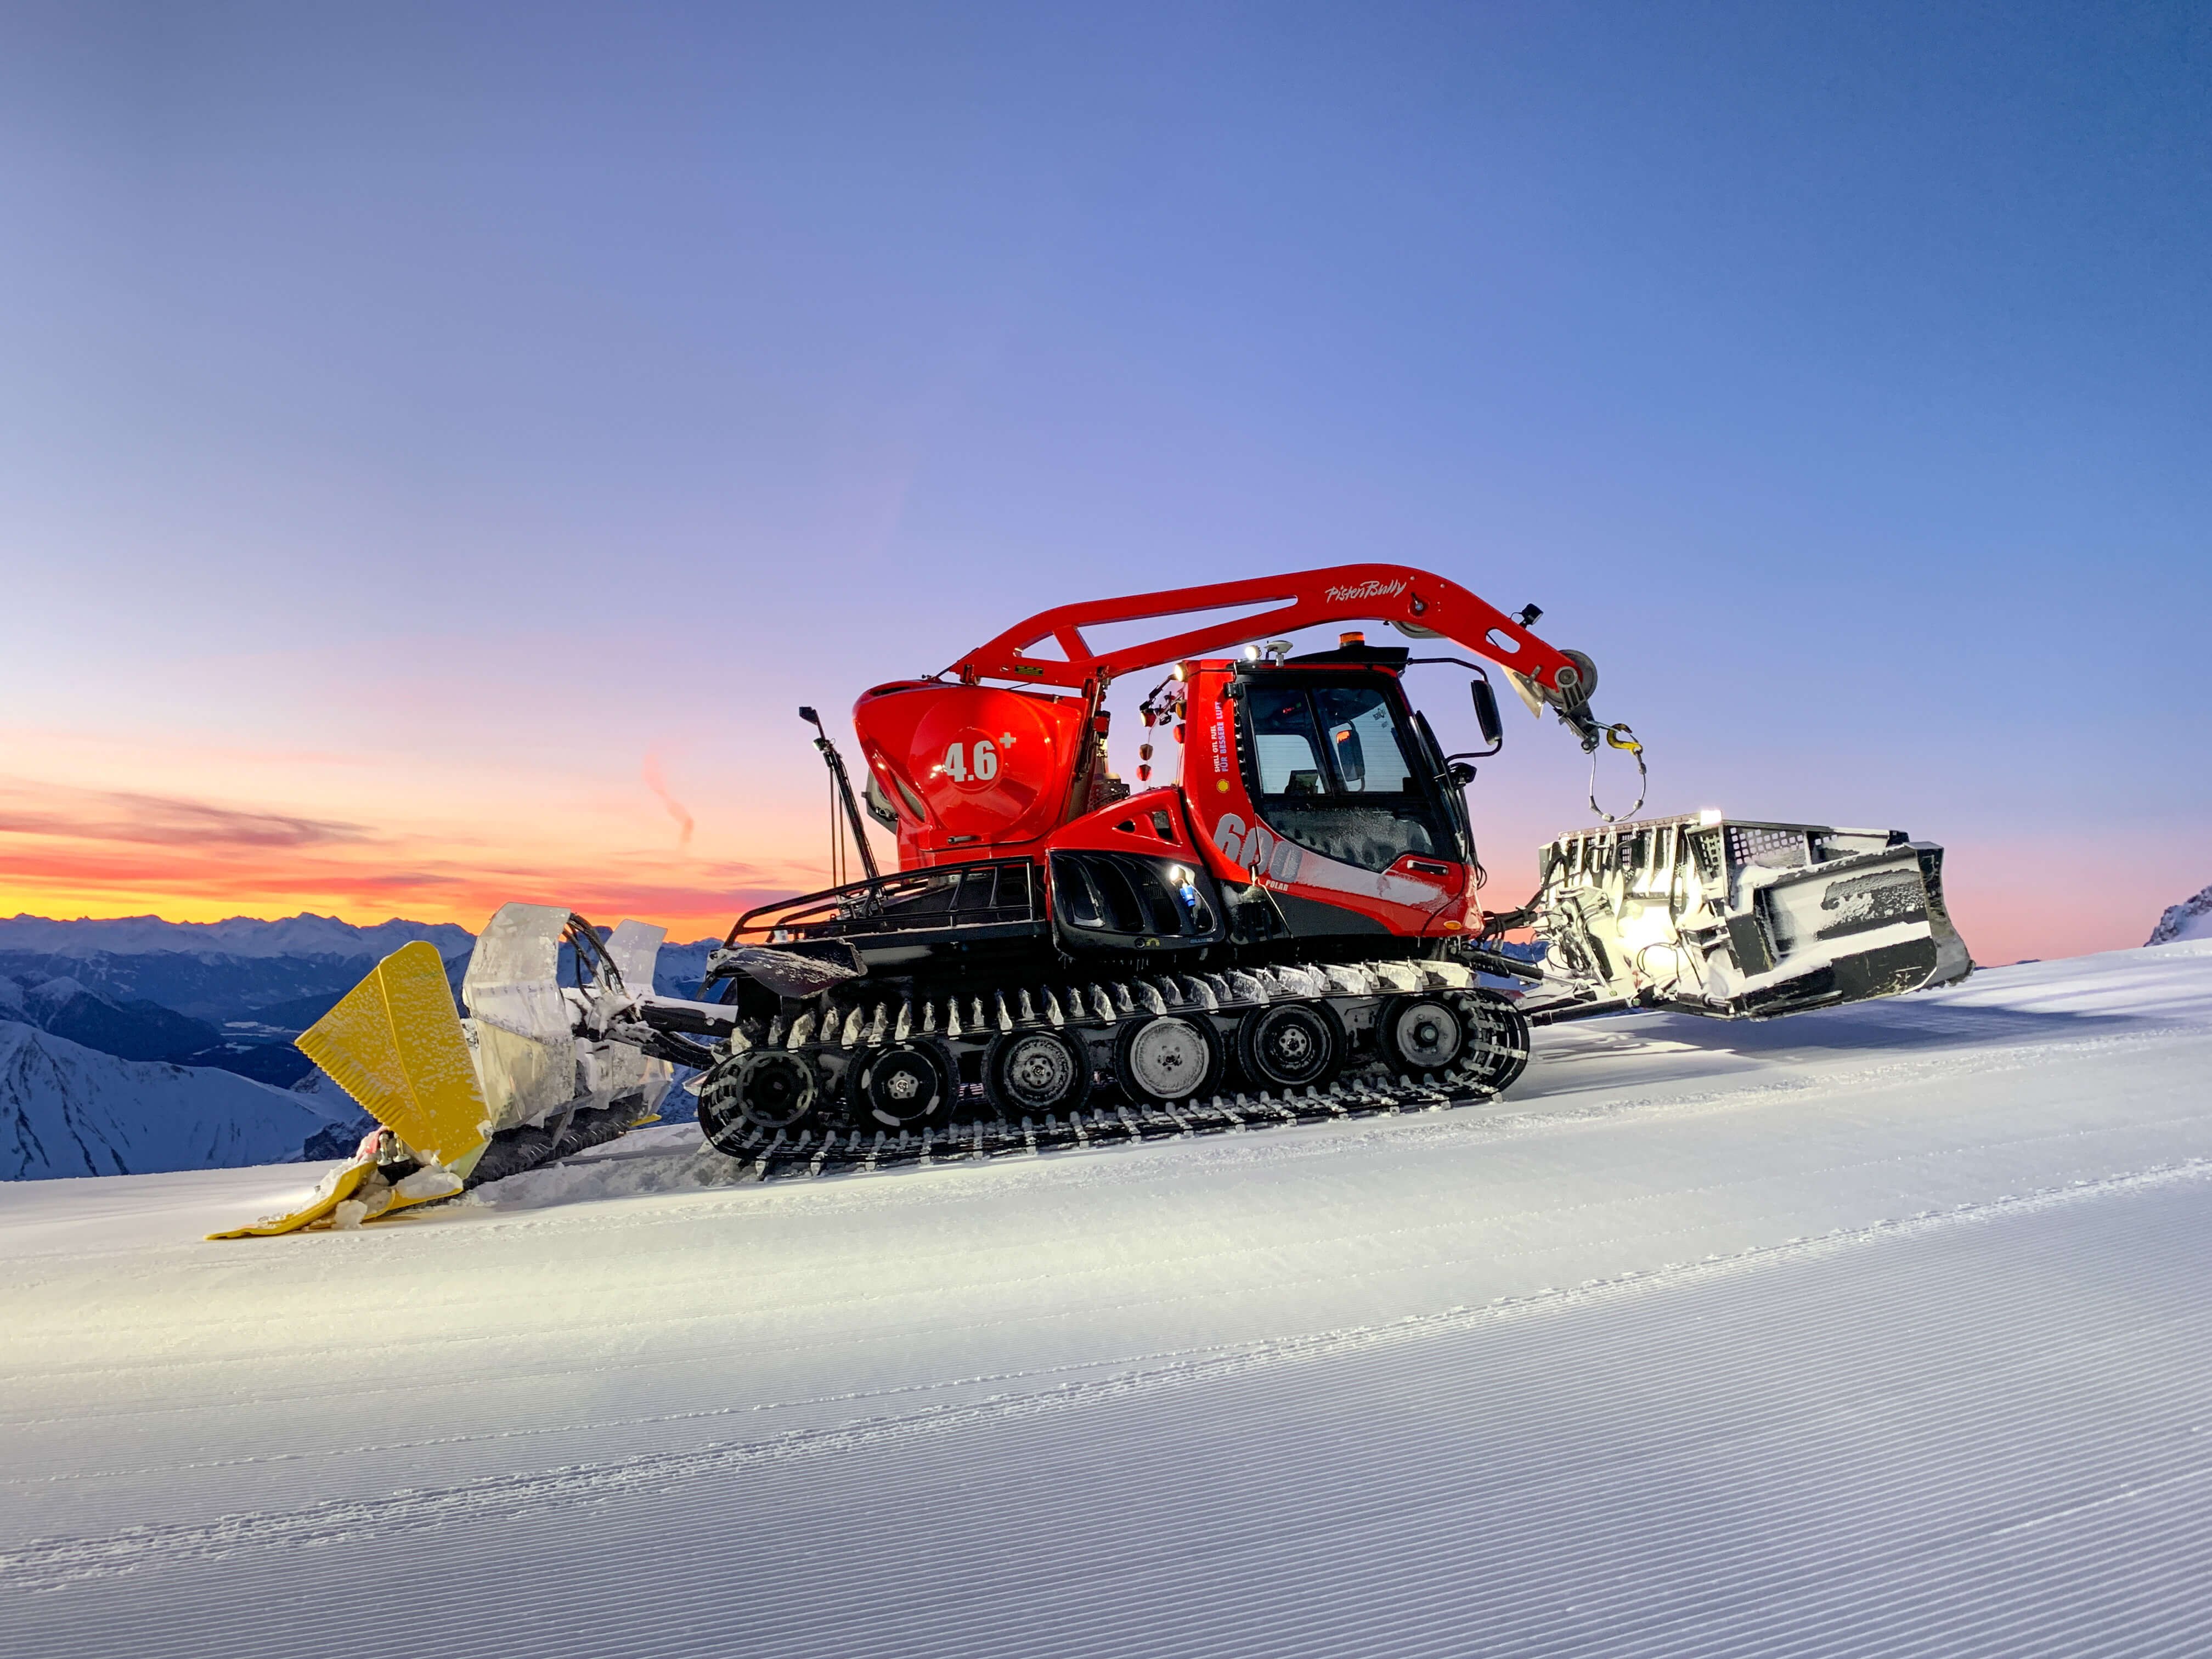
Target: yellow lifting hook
[(1620, 736)]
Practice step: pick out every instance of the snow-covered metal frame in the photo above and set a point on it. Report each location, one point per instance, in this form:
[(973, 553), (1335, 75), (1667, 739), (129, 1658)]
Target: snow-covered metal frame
[(1746, 918)]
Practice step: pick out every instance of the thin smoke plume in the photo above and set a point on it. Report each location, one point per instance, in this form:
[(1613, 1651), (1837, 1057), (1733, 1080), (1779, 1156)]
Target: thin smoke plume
[(677, 810)]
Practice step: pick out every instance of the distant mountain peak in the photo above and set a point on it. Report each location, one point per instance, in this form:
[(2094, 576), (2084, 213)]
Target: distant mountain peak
[(2190, 918)]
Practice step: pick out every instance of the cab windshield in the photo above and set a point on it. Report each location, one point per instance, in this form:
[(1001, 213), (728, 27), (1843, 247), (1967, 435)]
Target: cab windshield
[(1337, 768)]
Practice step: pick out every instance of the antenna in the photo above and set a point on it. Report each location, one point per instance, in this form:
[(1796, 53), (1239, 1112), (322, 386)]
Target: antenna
[(835, 762)]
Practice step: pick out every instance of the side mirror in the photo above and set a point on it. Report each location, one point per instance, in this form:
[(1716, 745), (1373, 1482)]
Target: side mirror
[(1486, 713), (1351, 759)]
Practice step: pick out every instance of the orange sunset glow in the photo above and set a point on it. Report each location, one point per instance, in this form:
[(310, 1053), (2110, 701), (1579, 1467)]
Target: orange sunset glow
[(76, 849)]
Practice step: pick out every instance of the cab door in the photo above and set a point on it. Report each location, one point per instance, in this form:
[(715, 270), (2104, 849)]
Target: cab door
[(1314, 785)]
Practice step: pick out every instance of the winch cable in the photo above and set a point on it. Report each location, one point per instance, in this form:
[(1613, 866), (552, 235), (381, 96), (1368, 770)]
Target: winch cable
[(1618, 736)]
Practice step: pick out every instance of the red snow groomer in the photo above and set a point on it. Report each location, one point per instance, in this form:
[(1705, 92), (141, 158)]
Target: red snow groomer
[(1296, 920), (1291, 930)]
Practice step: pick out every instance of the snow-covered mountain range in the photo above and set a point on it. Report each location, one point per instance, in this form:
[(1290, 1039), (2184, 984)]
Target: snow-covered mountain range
[(282, 975), (126, 1028), (218, 971), (303, 935), (66, 1109)]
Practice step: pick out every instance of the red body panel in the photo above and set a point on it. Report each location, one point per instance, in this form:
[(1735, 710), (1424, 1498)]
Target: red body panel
[(1152, 822), (992, 770)]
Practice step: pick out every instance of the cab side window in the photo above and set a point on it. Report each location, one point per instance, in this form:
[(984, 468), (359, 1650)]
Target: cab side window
[(1283, 745)]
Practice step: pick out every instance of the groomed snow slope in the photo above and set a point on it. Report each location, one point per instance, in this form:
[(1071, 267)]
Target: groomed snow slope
[(1878, 1331)]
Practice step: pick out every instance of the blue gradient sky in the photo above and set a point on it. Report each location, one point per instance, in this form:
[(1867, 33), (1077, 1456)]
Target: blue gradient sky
[(424, 428)]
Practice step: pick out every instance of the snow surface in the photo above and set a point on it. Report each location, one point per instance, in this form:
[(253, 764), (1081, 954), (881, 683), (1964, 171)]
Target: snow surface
[(1875, 1331)]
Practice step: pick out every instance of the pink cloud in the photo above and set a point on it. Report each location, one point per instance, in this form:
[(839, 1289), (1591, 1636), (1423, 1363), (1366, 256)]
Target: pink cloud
[(36, 809)]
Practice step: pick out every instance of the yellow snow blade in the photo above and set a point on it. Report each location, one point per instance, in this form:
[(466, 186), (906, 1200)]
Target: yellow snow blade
[(349, 1195), (395, 1044), (331, 1191)]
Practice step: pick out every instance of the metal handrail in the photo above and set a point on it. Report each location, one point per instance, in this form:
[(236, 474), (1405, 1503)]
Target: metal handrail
[(849, 909)]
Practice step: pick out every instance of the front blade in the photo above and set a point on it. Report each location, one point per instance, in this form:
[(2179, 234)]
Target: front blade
[(394, 1043), (339, 1185)]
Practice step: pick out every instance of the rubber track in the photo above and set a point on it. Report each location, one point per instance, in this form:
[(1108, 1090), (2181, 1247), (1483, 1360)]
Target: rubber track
[(810, 1153), (978, 1129)]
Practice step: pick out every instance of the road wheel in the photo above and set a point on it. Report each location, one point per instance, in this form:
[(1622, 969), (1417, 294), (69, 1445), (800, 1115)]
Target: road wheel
[(901, 1088), (1166, 1058), (1420, 1034), (1036, 1073), (1290, 1045), (762, 1089)]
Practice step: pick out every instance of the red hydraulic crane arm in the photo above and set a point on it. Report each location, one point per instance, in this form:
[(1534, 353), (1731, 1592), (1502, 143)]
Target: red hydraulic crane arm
[(1425, 603)]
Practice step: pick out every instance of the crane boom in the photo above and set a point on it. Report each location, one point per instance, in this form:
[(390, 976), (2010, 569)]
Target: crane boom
[(1416, 601)]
